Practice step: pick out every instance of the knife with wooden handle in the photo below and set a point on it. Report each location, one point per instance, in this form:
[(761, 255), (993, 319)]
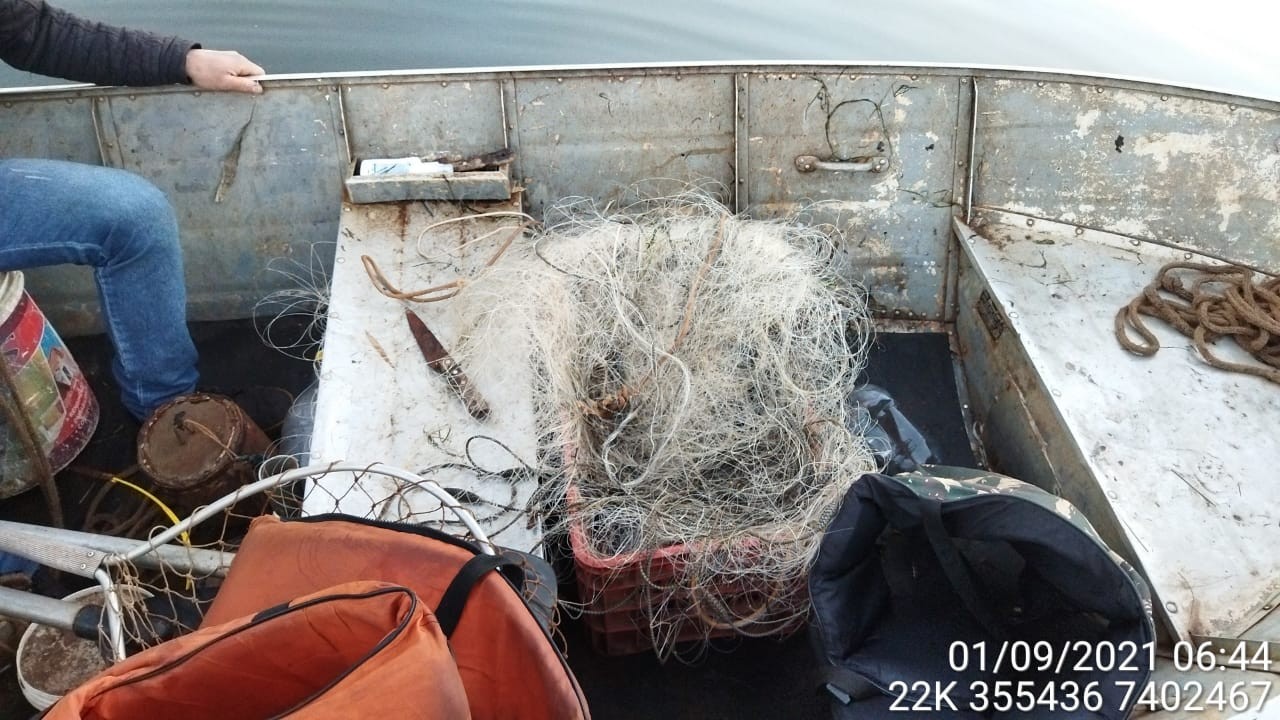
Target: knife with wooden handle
[(439, 360)]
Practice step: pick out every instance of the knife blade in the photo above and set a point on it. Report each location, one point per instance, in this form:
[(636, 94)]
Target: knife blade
[(439, 360)]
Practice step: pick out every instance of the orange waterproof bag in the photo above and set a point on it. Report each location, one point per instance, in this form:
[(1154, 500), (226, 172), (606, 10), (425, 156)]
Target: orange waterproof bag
[(507, 661), (361, 649)]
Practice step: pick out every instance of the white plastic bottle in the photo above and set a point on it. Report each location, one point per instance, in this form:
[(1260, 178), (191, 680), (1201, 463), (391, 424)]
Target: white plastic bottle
[(401, 166)]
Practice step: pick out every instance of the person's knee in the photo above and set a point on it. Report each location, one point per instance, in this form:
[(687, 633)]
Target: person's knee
[(137, 219)]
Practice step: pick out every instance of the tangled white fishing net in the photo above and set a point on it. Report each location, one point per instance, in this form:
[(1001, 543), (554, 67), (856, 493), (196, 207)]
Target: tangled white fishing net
[(692, 369)]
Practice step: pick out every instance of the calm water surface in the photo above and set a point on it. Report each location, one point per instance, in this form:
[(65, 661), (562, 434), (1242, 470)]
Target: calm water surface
[(1223, 45)]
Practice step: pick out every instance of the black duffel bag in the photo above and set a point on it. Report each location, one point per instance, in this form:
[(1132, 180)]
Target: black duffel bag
[(958, 593)]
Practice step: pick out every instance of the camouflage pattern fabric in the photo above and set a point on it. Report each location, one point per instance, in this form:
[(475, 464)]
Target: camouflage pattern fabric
[(952, 484)]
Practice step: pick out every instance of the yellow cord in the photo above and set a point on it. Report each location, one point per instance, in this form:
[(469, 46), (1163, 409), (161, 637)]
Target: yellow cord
[(173, 517)]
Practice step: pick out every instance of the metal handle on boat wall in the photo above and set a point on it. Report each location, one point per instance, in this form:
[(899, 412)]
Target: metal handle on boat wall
[(809, 163)]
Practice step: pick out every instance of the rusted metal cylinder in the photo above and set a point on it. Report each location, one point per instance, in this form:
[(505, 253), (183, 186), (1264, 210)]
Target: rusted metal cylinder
[(198, 448)]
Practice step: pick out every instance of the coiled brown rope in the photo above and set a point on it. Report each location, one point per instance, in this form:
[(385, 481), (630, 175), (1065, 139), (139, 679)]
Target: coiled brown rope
[(1222, 301), (453, 287)]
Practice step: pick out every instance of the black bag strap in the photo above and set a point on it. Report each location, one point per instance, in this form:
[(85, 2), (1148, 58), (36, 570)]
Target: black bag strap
[(957, 571), (846, 686), (454, 600)]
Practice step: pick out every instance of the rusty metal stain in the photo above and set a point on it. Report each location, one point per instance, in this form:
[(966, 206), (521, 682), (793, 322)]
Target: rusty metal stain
[(231, 163), (992, 318), (402, 219)]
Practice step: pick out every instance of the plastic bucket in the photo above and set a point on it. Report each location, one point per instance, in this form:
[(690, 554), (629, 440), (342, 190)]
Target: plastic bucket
[(63, 655), (51, 390)]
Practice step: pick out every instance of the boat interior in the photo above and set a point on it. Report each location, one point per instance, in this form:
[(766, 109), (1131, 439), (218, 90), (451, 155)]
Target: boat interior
[(998, 221)]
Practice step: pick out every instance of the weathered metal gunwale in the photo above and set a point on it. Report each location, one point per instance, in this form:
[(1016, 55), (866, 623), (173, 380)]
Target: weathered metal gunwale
[(682, 67)]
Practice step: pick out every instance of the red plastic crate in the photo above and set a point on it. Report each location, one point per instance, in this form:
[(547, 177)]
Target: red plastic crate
[(624, 595)]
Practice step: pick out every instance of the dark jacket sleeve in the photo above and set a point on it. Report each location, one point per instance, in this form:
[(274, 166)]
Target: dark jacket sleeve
[(49, 41)]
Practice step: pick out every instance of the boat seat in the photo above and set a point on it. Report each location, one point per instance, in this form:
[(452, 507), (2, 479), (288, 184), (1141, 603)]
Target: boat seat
[(1172, 459)]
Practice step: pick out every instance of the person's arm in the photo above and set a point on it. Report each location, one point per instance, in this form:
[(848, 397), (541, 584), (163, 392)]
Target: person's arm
[(42, 39)]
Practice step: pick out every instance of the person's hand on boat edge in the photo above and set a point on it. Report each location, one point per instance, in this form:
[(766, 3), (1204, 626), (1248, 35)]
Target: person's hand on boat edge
[(223, 70), (140, 278)]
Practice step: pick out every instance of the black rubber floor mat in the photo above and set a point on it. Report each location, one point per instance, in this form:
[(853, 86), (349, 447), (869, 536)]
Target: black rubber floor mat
[(917, 370)]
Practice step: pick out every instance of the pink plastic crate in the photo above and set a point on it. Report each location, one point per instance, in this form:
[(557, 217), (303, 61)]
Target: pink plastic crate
[(624, 595)]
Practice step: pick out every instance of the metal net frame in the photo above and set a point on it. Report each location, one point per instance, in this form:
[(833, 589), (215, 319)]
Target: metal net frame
[(159, 587)]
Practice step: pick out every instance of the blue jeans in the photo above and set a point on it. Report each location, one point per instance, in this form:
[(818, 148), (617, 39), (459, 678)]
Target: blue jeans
[(54, 212)]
